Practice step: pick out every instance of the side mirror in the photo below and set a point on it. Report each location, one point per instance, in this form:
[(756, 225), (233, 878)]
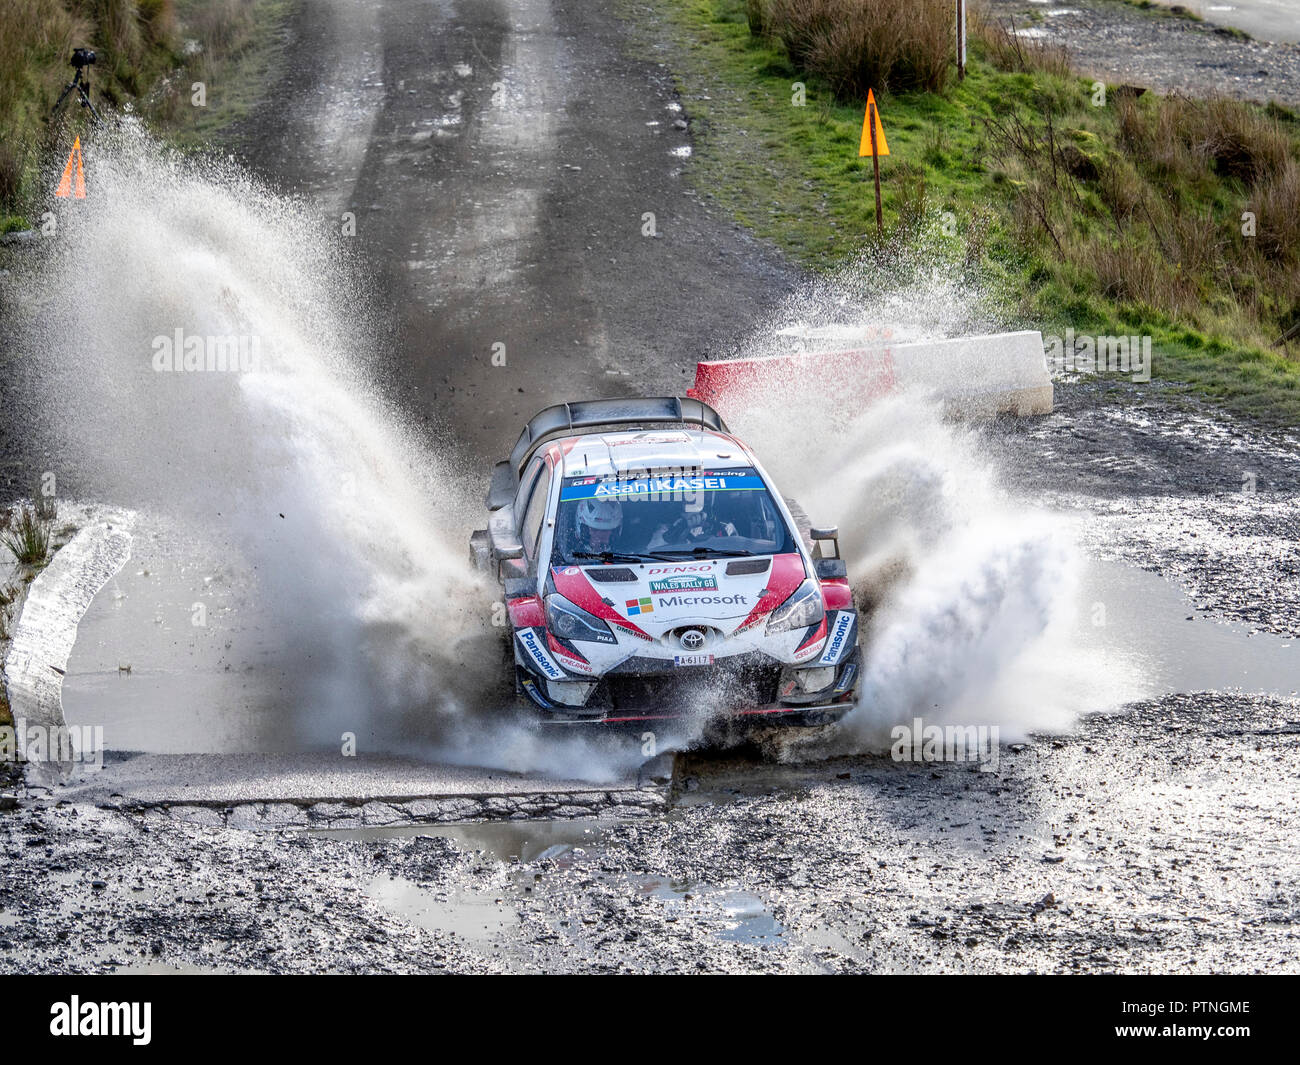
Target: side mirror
[(829, 569), (826, 532), (510, 561)]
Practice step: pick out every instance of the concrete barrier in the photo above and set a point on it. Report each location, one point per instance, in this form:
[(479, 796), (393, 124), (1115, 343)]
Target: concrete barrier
[(1003, 373), (47, 628)]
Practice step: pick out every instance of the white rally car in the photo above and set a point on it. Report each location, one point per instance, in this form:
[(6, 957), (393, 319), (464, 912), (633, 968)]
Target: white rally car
[(650, 571)]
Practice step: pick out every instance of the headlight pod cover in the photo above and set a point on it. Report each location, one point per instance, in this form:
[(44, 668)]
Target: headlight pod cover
[(803, 609), (571, 622), (814, 680)]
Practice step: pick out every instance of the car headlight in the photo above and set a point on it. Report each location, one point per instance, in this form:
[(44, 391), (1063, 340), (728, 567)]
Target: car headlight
[(571, 622), (814, 680), (802, 609)]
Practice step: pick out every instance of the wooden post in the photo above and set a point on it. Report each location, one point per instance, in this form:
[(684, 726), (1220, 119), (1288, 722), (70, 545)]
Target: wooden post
[(875, 166), (961, 40)]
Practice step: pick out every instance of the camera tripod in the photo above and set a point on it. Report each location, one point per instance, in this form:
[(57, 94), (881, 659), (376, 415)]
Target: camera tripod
[(81, 87)]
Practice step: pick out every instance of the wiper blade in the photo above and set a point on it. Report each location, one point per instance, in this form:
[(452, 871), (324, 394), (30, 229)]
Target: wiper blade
[(669, 555), (704, 552)]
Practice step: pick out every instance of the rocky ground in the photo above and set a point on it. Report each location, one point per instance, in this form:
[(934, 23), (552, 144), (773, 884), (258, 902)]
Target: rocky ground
[(1125, 44), (1155, 841), (1159, 839)]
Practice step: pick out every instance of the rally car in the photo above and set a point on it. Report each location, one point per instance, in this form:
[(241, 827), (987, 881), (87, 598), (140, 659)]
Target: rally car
[(651, 570)]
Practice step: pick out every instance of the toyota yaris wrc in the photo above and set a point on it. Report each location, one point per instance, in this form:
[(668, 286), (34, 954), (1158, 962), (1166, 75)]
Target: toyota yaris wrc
[(651, 570)]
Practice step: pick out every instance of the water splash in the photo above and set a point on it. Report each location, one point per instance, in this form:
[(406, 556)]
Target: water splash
[(354, 527), (351, 528), (972, 594)]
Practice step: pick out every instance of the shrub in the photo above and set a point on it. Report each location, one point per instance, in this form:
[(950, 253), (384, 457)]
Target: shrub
[(1239, 141), (1277, 209), (1013, 54), (29, 539), (889, 44)]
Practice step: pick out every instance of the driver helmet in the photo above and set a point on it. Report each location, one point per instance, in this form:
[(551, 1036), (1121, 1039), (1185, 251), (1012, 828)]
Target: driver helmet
[(602, 514)]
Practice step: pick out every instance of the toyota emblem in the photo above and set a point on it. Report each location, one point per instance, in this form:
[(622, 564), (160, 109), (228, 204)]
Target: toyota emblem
[(692, 639)]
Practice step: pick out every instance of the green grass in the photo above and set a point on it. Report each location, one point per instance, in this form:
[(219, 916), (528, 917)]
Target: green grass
[(149, 55), (236, 77), (792, 175), (28, 539)]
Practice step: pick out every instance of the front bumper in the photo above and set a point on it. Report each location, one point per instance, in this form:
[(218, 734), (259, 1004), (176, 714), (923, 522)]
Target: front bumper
[(755, 716), (743, 688)]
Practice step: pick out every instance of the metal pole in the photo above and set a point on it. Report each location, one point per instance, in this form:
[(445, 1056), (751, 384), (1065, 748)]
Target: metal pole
[(875, 166), (961, 40)]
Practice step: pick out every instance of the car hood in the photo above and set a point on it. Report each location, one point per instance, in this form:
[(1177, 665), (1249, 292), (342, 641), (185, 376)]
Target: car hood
[(653, 598)]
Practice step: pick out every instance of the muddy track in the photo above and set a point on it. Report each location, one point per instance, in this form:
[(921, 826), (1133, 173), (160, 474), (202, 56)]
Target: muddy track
[(513, 153), (1122, 43)]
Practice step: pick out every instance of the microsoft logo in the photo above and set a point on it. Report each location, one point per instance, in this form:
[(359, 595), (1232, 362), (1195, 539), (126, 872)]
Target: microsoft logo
[(639, 606)]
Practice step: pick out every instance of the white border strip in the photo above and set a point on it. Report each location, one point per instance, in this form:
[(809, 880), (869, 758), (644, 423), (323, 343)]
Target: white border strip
[(47, 629)]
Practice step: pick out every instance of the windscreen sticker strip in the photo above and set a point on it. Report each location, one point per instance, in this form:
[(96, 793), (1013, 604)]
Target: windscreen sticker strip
[(658, 486)]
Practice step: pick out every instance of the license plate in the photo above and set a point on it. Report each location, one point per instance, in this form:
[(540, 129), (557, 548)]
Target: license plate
[(693, 660)]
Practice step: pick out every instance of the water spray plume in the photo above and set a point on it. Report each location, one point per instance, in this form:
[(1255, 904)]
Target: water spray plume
[(353, 527)]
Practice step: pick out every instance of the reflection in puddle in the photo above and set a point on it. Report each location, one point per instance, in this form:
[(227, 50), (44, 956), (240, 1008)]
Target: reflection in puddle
[(485, 918), (506, 841), (477, 917), (735, 916), (1153, 623)]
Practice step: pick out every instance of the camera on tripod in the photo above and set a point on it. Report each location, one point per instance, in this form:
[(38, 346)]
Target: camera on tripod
[(82, 59)]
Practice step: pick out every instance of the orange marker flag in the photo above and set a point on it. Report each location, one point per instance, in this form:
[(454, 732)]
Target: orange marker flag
[(65, 182), (882, 146)]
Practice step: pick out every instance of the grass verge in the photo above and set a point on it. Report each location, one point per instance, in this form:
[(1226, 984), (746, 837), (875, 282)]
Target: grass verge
[(188, 67), (1119, 219)]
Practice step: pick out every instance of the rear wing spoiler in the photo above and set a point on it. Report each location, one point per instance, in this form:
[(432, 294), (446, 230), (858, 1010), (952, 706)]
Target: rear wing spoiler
[(564, 419)]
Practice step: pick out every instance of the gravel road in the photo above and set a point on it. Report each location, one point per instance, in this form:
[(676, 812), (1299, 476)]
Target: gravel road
[(1125, 44)]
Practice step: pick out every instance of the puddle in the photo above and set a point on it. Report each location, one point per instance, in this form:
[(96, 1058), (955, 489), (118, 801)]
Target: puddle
[(476, 917), (506, 841), (736, 916), (1144, 618), (173, 656), (479, 917)]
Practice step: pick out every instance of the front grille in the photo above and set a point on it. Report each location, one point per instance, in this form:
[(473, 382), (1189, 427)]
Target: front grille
[(746, 566), (703, 689), (617, 574)]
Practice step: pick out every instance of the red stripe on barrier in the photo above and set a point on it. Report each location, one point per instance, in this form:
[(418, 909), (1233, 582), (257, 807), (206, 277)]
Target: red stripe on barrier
[(842, 378)]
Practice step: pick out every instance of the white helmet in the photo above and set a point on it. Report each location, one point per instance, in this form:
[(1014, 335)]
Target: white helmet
[(600, 513)]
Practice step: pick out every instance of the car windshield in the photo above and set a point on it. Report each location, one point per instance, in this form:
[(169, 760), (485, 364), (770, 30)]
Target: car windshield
[(666, 514)]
